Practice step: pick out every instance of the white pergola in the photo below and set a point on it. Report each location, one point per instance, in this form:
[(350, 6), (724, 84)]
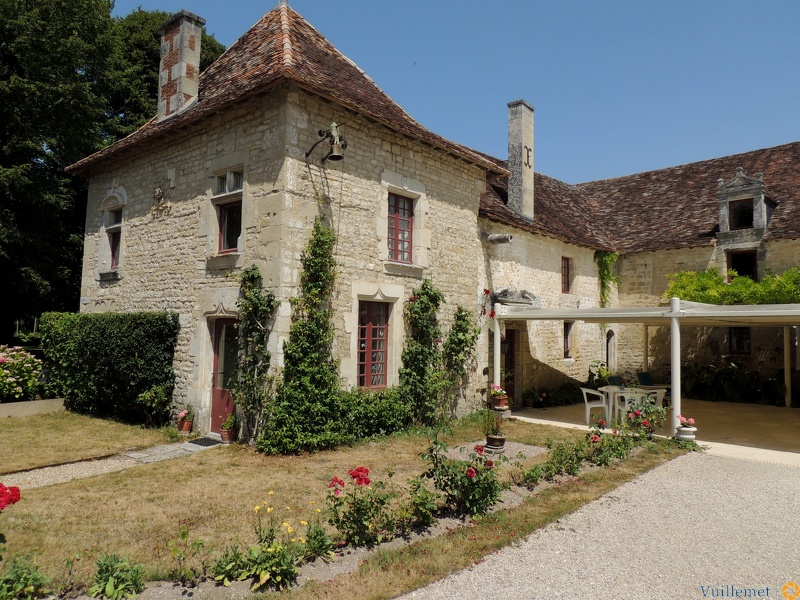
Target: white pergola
[(678, 313)]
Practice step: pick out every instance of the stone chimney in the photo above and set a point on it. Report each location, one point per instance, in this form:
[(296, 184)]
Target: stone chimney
[(520, 158), (180, 63)]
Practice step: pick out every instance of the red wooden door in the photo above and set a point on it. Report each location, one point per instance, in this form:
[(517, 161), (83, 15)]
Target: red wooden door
[(226, 347)]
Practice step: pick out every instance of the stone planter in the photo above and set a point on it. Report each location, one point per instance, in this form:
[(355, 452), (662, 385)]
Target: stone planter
[(495, 441), (685, 433)]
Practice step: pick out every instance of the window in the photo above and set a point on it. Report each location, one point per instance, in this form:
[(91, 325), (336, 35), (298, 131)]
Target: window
[(739, 340), (114, 233), (740, 214), (228, 201), (565, 275), (401, 223), (230, 226), (373, 333), (745, 264), (568, 339)]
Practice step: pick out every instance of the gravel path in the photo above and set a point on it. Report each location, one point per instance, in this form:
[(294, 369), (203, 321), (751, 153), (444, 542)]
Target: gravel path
[(696, 521)]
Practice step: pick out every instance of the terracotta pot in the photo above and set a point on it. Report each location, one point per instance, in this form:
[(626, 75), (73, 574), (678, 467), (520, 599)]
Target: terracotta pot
[(227, 435), (499, 401), (495, 440), (185, 425)]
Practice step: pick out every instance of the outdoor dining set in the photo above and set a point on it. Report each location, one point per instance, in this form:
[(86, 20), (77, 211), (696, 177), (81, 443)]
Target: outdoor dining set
[(616, 400)]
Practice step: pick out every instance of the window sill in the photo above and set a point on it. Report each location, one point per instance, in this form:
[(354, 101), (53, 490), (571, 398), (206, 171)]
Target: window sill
[(404, 269), (228, 260), (109, 276)]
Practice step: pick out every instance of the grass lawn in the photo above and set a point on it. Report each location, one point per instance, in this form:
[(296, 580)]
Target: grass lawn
[(62, 437), (138, 512)]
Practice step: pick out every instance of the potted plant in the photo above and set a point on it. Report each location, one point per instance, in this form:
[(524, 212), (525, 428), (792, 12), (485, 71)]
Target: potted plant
[(686, 429), (228, 429), (185, 420), (498, 397), (491, 422)]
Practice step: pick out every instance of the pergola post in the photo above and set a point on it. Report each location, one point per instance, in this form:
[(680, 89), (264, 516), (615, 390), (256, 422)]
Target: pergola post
[(496, 356), (675, 360), (645, 351), (787, 364)]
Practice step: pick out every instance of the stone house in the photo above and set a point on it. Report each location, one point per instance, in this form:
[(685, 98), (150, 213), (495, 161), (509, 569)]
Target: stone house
[(227, 174)]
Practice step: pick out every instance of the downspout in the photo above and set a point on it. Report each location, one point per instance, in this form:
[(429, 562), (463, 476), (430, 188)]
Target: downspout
[(496, 355)]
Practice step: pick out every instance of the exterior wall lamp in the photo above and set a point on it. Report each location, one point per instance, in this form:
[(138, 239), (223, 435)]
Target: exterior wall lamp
[(337, 143)]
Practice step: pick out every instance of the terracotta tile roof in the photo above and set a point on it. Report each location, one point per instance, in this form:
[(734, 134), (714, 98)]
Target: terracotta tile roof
[(677, 207), (282, 47), (561, 211), (669, 208)]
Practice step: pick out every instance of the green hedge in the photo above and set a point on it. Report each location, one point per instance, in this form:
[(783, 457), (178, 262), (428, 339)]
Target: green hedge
[(115, 365)]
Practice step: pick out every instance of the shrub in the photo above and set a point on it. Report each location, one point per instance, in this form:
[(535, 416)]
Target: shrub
[(366, 413), (229, 566), (22, 580), (19, 374), (469, 486), (362, 514), (116, 578), (112, 364), (418, 509)]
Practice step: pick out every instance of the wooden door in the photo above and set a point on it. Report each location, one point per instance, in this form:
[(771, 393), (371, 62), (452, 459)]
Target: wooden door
[(226, 349)]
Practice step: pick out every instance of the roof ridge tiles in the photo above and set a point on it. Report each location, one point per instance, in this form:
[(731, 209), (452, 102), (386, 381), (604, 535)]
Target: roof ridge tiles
[(288, 61)]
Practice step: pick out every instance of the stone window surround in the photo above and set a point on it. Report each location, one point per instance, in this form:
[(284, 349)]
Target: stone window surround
[(395, 183), (392, 294), (210, 225), (116, 199), (569, 340)]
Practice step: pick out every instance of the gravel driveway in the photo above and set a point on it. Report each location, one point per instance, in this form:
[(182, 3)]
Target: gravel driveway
[(699, 526)]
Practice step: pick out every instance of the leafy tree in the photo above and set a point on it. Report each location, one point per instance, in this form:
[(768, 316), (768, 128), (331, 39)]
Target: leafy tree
[(712, 288), (72, 79)]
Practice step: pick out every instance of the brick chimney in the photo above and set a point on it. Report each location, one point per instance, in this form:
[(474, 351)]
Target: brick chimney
[(180, 63), (520, 158)]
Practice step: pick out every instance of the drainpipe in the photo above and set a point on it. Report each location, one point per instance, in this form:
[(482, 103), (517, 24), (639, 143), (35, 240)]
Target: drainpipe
[(675, 361), (496, 357)]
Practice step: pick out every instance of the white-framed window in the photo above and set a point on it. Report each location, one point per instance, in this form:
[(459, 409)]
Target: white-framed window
[(114, 233), (110, 240), (373, 344), (227, 200)]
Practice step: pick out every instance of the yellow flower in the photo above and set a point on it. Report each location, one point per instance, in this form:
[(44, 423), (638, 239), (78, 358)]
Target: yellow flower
[(265, 503), (288, 508), (294, 540), (313, 502), (302, 540), (270, 509), (289, 530), (285, 524), (270, 493), (319, 510), (303, 522), (256, 509)]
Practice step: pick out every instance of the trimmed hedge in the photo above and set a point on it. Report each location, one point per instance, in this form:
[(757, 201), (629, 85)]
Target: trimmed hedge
[(116, 365)]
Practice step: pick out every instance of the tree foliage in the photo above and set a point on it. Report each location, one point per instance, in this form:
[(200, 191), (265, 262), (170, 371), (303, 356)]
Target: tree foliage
[(72, 80), (711, 287)]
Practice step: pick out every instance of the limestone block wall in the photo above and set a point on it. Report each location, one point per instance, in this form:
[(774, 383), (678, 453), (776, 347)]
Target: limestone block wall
[(644, 282), (533, 263)]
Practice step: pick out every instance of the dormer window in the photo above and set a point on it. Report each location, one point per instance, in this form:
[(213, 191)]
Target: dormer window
[(740, 214)]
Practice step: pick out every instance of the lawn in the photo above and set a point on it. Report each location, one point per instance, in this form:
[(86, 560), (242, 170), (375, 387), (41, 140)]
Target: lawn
[(139, 512), (62, 437)]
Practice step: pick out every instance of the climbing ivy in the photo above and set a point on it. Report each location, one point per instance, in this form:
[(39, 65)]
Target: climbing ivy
[(605, 262), (432, 372), (304, 412), (256, 310), (712, 288)]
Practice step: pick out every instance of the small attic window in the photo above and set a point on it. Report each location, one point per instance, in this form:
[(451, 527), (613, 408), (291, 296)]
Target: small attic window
[(740, 214)]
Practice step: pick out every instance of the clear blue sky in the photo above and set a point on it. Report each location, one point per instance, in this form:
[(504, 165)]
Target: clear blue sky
[(619, 86)]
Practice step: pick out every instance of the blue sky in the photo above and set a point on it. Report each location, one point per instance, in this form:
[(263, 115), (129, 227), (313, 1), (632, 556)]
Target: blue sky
[(619, 86)]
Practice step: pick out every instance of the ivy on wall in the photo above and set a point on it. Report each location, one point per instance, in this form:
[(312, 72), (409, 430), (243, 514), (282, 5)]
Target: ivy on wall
[(605, 262), (711, 287), (256, 311)]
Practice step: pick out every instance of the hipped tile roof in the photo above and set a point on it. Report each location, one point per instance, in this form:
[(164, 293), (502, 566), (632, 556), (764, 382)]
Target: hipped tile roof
[(282, 47)]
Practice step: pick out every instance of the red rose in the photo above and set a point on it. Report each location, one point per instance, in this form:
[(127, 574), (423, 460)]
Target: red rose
[(645, 422), (486, 291), (336, 482), (8, 495), (637, 412), (471, 472), (602, 423), (337, 492), (490, 464), (479, 449), (595, 438), (492, 314)]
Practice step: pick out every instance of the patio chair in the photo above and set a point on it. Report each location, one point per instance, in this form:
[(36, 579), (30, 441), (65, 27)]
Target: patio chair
[(627, 398), (598, 400)]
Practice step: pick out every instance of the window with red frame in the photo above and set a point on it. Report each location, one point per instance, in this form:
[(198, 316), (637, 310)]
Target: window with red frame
[(373, 338), (230, 226), (401, 224), (565, 275), (114, 232)]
